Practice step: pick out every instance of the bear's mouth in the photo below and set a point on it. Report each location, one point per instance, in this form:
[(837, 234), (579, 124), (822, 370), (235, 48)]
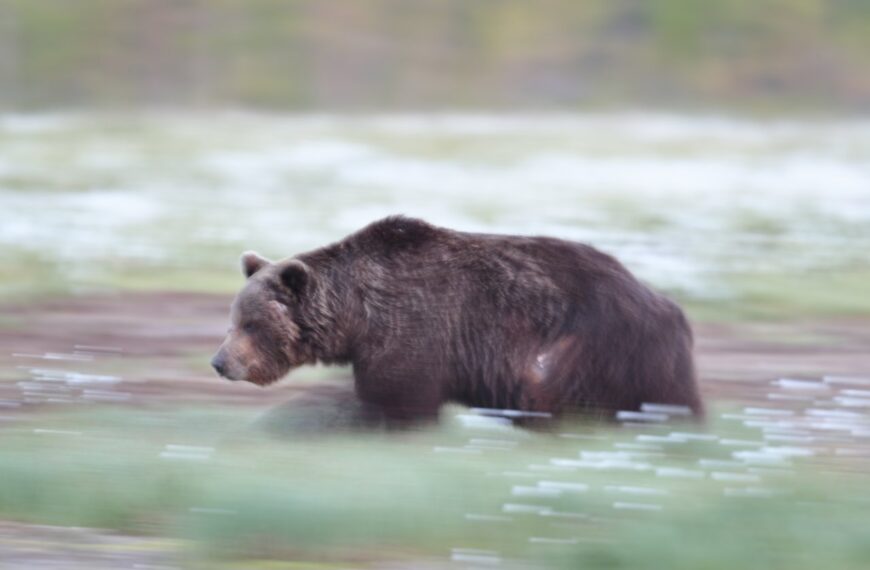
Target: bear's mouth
[(257, 372), (227, 375), (233, 372), (260, 377), (260, 381)]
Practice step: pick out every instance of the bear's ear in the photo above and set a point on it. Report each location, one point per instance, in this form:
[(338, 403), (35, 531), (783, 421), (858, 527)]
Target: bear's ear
[(251, 263), (296, 276)]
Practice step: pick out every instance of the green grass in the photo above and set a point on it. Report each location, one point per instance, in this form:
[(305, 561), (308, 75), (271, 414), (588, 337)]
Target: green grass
[(39, 280), (376, 497), (788, 295), (751, 534)]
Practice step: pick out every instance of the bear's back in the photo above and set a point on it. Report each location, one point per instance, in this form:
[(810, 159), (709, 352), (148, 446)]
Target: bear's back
[(491, 320)]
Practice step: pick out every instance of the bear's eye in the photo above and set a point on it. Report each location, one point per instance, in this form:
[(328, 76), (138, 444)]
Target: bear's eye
[(248, 328)]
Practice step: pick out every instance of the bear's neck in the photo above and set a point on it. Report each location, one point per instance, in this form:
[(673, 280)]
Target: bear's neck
[(332, 321)]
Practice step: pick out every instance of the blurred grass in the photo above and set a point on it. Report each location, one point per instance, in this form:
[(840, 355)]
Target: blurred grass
[(239, 496), (795, 533), (718, 212), (840, 293)]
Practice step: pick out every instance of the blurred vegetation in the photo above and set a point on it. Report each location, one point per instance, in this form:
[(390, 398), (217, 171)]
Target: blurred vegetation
[(305, 54), (735, 219), (198, 477)]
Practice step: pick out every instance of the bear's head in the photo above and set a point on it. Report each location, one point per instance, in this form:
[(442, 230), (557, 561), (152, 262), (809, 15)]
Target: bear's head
[(267, 336)]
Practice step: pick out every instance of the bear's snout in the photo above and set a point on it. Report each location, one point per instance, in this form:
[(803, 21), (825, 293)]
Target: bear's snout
[(219, 363)]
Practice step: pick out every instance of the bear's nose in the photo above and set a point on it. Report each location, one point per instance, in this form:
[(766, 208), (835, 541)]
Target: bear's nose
[(219, 364)]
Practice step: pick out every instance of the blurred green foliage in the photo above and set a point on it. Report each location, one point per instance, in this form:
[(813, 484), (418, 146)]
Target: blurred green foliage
[(443, 53), (237, 495), (736, 219)]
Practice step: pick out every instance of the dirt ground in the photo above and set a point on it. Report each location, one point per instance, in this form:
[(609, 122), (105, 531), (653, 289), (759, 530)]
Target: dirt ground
[(158, 346), (27, 547), (153, 349)]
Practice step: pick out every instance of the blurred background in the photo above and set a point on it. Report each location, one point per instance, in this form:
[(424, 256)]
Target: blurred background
[(720, 150), (425, 54)]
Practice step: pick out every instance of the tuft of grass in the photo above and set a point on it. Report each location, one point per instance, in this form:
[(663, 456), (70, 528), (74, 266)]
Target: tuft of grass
[(795, 532)]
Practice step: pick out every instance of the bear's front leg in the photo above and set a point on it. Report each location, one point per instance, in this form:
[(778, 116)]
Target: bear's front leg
[(406, 396)]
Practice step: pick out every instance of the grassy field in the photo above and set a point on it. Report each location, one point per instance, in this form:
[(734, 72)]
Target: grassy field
[(736, 218), (473, 493)]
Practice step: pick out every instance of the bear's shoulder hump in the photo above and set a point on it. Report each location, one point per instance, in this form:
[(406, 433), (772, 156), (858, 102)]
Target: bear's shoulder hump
[(399, 232)]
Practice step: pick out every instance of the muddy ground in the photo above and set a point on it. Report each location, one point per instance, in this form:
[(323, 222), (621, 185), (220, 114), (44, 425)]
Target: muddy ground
[(153, 350), (158, 345)]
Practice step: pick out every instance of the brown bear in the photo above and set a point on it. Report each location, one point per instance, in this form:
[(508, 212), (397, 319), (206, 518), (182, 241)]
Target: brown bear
[(427, 315)]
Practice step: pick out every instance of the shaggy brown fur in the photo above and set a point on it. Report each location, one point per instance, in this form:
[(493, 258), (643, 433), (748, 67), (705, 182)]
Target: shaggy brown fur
[(427, 315)]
